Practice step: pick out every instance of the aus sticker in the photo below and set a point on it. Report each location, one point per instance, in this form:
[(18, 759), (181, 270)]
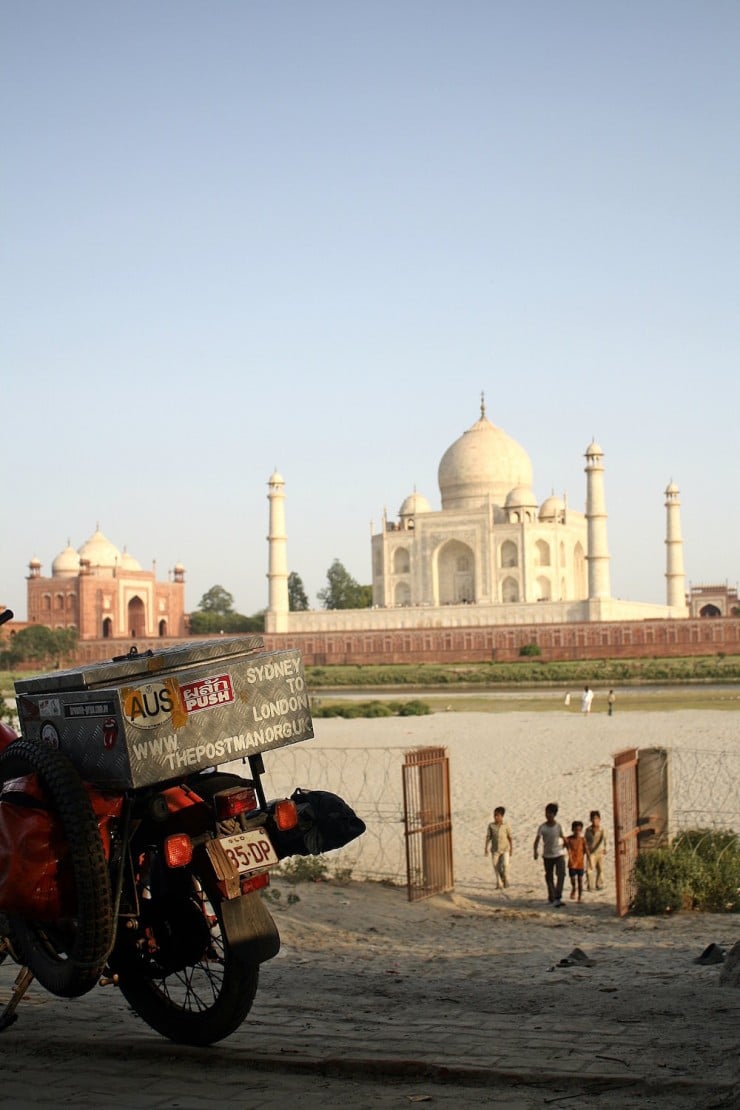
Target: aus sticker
[(148, 706)]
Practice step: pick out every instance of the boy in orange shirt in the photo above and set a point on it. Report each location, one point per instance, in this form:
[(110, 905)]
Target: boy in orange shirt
[(579, 858)]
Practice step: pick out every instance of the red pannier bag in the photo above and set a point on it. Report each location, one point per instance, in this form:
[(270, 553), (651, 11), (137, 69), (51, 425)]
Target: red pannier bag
[(36, 876)]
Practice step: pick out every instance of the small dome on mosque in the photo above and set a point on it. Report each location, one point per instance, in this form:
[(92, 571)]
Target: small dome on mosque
[(34, 562), (98, 551), (179, 568), (593, 449), (276, 479), (66, 564), (521, 497), (413, 504), (552, 508), (128, 562), (483, 463), (672, 488)]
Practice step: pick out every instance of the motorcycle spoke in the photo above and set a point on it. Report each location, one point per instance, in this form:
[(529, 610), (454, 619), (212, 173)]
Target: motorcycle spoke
[(195, 988)]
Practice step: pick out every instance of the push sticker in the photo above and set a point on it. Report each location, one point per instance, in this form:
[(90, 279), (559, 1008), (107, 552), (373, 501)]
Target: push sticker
[(207, 693)]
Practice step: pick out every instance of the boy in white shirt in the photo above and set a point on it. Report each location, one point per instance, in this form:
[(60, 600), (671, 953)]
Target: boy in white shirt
[(554, 852)]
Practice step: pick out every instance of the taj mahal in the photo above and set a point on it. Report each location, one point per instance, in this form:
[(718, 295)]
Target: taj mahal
[(451, 579), (492, 554)]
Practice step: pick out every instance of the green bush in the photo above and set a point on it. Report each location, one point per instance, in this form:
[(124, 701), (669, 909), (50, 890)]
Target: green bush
[(537, 672), (350, 710), (699, 871), (663, 881), (304, 869), (373, 709), (414, 708)]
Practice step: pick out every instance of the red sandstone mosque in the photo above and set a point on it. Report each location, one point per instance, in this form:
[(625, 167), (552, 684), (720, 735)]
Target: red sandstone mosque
[(105, 594)]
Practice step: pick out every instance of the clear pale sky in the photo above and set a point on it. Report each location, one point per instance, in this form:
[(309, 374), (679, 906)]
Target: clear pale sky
[(307, 234)]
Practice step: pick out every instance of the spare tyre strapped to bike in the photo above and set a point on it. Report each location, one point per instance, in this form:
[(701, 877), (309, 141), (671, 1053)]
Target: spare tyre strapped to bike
[(66, 958)]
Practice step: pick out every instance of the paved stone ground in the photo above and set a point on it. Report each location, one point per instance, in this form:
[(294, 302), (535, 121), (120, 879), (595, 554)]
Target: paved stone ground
[(299, 1046), (456, 1007)]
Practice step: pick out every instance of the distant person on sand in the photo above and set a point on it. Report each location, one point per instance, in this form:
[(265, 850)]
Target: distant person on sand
[(498, 838), (586, 698), (578, 859), (597, 847), (553, 853), (610, 702)]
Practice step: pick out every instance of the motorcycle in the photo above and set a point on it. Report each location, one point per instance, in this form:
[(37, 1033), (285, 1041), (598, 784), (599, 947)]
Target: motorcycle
[(153, 887)]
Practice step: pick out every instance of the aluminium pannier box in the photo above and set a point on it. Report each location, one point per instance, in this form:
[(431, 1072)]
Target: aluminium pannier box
[(150, 718)]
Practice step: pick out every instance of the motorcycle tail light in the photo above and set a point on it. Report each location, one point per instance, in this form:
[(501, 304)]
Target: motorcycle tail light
[(285, 814), (178, 850), (254, 882), (235, 800)]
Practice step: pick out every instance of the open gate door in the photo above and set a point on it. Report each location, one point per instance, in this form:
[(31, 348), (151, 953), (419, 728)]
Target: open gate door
[(626, 824), (428, 822)]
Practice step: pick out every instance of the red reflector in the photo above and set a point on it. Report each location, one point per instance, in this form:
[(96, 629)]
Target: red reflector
[(286, 814), (235, 800), (255, 882), (178, 850)]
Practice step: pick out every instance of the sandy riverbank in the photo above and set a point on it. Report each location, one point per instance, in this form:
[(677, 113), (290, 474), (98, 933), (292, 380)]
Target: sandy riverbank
[(518, 760)]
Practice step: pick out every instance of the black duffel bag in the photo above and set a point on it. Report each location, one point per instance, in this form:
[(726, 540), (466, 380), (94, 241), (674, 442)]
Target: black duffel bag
[(325, 821)]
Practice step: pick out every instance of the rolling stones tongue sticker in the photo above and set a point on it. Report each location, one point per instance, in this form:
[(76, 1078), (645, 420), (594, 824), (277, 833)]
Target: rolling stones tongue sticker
[(110, 733)]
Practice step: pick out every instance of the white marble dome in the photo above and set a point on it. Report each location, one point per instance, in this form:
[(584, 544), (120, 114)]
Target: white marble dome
[(483, 463), (128, 562), (552, 508), (66, 564), (98, 551), (413, 504), (521, 497)]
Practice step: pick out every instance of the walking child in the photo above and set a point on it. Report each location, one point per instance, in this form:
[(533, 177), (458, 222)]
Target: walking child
[(578, 857), (553, 853), (597, 849), (499, 839)]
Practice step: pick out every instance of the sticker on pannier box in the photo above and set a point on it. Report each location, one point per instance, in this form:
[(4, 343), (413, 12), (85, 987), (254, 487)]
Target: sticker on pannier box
[(152, 705), (207, 693)]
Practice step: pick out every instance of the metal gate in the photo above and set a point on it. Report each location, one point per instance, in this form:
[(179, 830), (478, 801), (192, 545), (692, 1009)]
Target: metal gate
[(626, 824), (427, 822)]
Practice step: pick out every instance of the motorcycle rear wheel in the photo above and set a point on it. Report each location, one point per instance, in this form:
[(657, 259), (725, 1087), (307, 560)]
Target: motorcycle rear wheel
[(200, 1003), (67, 957)]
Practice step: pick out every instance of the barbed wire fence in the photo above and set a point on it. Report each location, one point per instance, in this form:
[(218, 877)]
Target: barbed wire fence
[(371, 781), (368, 779), (705, 794), (704, 790)]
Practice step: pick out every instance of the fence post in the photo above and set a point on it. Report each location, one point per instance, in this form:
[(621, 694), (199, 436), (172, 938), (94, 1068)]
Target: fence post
[(427, 822)]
